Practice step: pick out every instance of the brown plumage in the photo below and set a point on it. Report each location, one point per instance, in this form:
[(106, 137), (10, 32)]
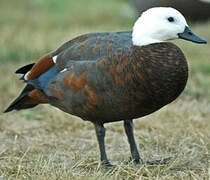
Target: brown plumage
[(99, 91), (104, 77)]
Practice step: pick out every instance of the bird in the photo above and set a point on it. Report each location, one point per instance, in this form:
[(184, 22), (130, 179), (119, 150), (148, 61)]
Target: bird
[(106, 77)]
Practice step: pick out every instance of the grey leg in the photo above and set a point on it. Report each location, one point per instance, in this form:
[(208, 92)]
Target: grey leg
[(100, 133), (128, 125)]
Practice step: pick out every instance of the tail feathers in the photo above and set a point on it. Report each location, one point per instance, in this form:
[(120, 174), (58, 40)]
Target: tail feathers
[(29, 97), (18, 103), (33, 93), (35, 83), (24, 69)]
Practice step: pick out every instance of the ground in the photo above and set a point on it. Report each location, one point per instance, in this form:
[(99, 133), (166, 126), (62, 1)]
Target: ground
[(45, 143)]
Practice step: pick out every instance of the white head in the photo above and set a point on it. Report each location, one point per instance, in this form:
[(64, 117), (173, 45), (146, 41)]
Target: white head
[(158, 24)]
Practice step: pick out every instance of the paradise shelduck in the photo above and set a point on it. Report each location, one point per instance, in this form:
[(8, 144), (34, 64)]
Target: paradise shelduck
[(109, 77)]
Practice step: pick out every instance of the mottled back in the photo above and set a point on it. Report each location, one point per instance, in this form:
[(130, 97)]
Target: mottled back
[(91, 47)]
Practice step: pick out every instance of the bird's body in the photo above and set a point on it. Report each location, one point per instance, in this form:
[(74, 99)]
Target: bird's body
[(123, 82), (108, 77)]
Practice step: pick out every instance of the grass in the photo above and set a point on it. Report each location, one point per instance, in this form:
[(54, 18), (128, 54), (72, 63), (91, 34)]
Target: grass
[(45, 143)]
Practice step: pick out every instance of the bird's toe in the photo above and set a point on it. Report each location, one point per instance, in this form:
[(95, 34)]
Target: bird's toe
[(160, 161)]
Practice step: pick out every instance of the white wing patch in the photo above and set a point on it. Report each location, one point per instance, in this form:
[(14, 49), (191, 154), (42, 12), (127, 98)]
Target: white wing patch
[(64, 70), (25, 76), (54, 59)]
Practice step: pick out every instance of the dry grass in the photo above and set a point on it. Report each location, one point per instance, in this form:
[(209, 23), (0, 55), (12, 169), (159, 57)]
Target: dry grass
[(45, 143)]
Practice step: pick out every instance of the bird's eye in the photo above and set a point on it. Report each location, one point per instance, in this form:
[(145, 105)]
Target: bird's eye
[(171, 19)]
